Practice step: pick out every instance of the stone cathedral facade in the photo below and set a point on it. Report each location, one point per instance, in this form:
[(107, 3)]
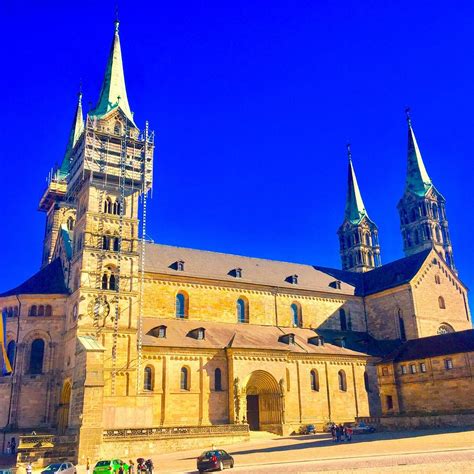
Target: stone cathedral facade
[(121, 340)]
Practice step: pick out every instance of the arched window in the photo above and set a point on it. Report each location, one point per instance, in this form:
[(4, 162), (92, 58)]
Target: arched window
[(112, 282), (33, 310), (314, 380), (296, 318), (105, 281), (441, 303), (242, 311), (182, 305), (185, 382), (445, 328), (401, 325), (148, 378), (108, 206), (105, 242), (117, 128), (367, 239), (437, 280), (343, 319), (11, 349), (218, 380), (36, 356), (70, 223), (366, 382), (48, 310), (435, 210), (116, 243), (342, 381), (41, 310)]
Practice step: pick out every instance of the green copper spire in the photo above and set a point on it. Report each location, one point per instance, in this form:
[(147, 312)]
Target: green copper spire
[(113, 93), (76, 131), (355, 209), (418, 181)]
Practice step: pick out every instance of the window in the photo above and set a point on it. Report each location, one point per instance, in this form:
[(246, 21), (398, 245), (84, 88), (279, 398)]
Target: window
[(293, 279), (108, 206), (343, 320), (181, 305), (342, 381), (448, 364), (33, 310), (36, 356), (117, 128), (74, 312), (112, 282), (184, 385), (389, 402), (441, 303), (314, 380), (412, 368), (116, 244), (366, 382), (384, 370), (423, 367), (105, 242), (296, 315), (242, 311), (445, 329), (401, 325), (41, 310), (48, 311), (70, 223), (437, 280), (404, 369), (148, 378), (200, 334), (238, 273), (218, 380), (162, 331), (180, 266), (11, 349)]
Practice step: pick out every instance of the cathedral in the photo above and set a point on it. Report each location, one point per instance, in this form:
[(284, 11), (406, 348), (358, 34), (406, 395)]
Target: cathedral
[(116, 339)]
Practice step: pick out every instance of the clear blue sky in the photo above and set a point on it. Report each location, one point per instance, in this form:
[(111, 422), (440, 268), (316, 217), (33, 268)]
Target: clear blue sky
[(253, 104)]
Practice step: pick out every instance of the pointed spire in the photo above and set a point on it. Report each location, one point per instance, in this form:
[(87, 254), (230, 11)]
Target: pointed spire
[(417, 180), (355, 209), (76, 131), (113, 93)]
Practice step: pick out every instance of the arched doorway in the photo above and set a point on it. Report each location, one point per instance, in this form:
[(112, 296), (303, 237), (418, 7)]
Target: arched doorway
[(64, 404), (264, 404)]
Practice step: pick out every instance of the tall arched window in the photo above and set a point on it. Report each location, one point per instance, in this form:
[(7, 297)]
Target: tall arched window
[(105, 282), (41, 310), (217, 380), (342, 381), (33, 310), (366, 382), (184, 382), (296, 317), (343, 319), (11, 349), (314, 380), (242, 311), (36, 356), (148, 378), (70, 223), (108, 206), (116, 244), (401, 325), (112, 282), (441, 303), (106, 242), (181, 305)]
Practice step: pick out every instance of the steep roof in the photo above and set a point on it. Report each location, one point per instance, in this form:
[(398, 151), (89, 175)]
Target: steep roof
[(237, 336), (355, 208), (220, 266), (442, 344), (48, 281), (113, 93)]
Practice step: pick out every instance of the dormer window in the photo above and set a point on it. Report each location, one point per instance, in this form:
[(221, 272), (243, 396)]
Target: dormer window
[(159, 332), (287, 339), (238, 273), (198, 333), (293, 279), (335, 284), (180, 266), (316, 341)]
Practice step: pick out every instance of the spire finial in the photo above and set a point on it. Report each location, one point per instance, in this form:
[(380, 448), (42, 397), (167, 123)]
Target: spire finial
[(79, 93), (117, 21), (408, 114), (349, 152)]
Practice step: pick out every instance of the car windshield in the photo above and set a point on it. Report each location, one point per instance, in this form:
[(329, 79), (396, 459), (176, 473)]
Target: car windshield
[(209, 454), (53, 467), (102, 463)]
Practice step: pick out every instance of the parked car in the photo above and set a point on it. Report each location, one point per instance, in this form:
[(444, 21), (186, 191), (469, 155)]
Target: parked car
[(62, 467), (109, 466), (307, 429), (215, 460), (362, 428)]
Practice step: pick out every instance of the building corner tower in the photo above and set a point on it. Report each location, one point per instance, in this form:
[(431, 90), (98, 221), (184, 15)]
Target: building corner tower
[(422, 210), (358, 234)]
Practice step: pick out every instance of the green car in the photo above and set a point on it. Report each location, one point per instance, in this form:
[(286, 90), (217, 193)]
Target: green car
[(110, 466)]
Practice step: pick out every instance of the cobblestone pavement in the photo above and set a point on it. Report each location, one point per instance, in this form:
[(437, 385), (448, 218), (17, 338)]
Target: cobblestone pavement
[(429, 451)]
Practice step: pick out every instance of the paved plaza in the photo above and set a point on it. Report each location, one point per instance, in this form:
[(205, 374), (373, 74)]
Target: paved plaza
[(430, 451)]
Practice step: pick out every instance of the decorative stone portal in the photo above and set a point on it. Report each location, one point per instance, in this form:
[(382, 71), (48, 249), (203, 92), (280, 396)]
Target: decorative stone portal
[(264, 405)]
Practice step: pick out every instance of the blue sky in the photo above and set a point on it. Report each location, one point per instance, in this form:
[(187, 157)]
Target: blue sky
[(252, 104)]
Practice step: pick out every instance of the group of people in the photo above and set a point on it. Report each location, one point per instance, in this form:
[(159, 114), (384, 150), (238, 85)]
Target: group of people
[(11, 447), (340, 433)]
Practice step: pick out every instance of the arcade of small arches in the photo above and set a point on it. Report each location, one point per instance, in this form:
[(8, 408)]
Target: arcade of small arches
[(427, 208)]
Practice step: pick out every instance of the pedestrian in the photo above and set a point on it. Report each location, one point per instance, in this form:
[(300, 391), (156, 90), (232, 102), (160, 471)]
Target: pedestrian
[(332, 428), (341, 430), (88, 466), (29, 469), (121, 469), (13, 446), (338, 433), (344, 430), (349, 433), (9, 448), (131, 467)]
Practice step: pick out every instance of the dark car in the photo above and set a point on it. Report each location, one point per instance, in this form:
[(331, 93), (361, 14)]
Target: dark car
[(215, 460)]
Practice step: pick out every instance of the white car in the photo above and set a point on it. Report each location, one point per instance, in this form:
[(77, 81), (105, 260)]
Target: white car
[(60, 467)]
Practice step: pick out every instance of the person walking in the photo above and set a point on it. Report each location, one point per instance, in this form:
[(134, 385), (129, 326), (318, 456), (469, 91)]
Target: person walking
[(349, 432), (9, 448), (29, 468), (131, 467), (121, 470), (13, 446), (338, 433), (332, 428)]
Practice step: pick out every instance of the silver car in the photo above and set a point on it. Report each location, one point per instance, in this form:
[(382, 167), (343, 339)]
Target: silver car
[(60, 467)]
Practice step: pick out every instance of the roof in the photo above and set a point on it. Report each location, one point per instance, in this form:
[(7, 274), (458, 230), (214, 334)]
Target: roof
[(113, 93), (417, 179), (236, 336), (219, 266), (48, 281), (355, 208), (442, 344), (90, 343)]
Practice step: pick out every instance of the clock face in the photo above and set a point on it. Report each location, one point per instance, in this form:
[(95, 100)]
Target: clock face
[(99, 309)]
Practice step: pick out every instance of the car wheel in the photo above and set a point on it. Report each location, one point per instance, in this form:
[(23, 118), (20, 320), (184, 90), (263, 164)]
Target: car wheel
[(232, 465), (221, 466)]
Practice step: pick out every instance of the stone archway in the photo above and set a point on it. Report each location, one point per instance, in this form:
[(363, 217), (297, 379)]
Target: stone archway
[(263, 402), (64, 404)]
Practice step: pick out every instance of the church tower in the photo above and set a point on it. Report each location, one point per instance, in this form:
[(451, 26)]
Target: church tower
[(58, 211), (422, 208), (358, 234)]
